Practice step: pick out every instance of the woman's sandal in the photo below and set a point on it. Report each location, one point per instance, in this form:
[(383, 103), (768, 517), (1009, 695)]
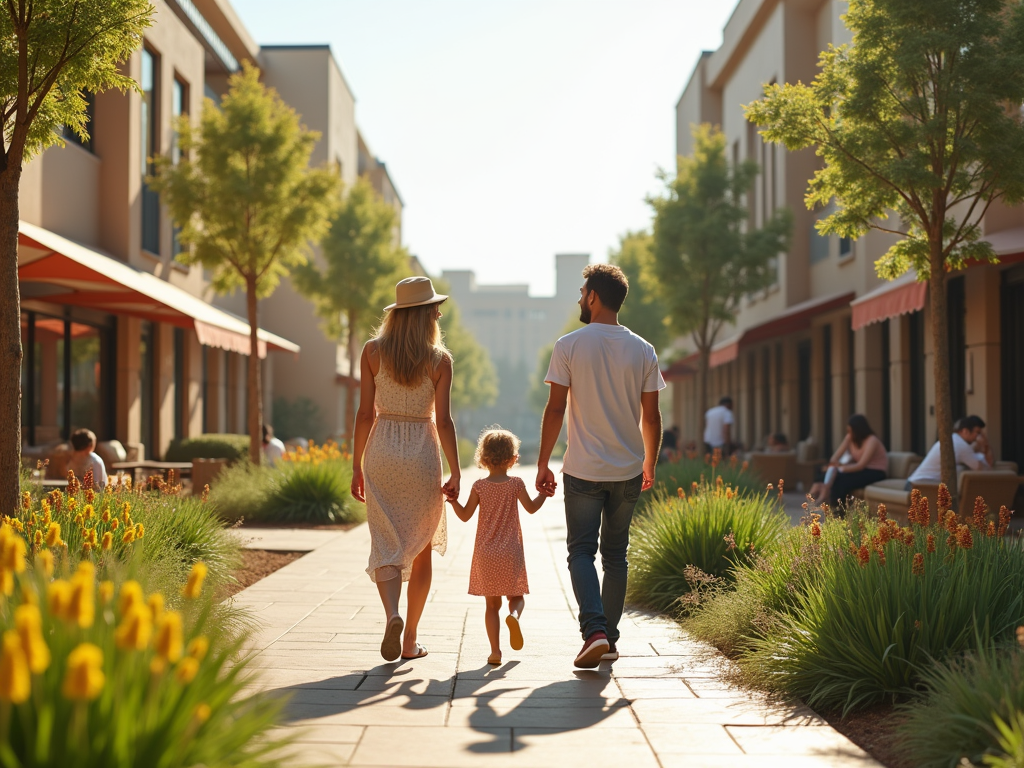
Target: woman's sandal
[(391, 645), (421, 651), (494, 658)]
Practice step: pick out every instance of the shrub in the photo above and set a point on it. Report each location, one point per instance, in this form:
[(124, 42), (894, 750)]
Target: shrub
[(242, 491), (90, 679), (687, 470), (972, 708), (868, 604), (298, 418), (213, 446), (710, 530)]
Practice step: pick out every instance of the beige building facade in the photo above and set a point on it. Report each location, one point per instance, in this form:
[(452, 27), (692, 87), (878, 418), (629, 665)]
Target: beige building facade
[(830, 338), (121, 338)]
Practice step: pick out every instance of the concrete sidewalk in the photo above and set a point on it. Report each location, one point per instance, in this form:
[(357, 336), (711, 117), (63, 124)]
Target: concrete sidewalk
[(662, 704)]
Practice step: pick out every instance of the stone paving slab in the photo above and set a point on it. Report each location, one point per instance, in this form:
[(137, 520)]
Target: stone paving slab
[(284, 539), (663, 703)]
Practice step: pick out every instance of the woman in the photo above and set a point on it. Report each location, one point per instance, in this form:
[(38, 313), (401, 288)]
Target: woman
[(396, 461), (868, 463)]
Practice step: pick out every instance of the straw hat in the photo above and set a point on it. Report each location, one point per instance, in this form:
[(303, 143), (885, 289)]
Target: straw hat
[(415, 292)]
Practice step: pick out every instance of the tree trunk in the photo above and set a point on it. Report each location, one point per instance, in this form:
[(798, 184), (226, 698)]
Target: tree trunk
[(255, 415), (10, 341), (353, 368), (940, 347), (705, 373)]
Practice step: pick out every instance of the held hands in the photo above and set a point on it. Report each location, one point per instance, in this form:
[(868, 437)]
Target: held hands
[(546, 484), (452, 487)]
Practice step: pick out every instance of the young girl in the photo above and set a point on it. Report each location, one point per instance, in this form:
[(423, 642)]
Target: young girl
[(499, 565)]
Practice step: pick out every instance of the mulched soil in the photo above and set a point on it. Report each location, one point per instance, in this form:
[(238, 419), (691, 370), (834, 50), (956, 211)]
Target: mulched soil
[(874, 731), (257, 564)]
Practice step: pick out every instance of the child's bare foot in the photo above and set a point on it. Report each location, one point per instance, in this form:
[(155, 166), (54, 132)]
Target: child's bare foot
[(494, 658)]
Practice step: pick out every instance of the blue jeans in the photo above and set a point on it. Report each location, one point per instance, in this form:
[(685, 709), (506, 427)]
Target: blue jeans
[(593, 512)]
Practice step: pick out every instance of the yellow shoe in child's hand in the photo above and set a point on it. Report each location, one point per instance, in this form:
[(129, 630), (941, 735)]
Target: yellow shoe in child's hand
[(515, 634)]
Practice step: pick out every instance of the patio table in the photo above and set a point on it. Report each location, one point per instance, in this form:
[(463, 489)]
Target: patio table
[(143, 469)]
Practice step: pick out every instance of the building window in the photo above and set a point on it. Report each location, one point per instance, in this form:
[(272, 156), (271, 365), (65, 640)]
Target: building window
[(148, 131), (179, 107), (90, 115), (845, 247)]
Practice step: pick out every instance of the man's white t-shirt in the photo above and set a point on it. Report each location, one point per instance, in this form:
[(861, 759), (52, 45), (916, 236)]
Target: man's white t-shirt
[(273, 450), (930, 470), (606, 368), (714, 425)]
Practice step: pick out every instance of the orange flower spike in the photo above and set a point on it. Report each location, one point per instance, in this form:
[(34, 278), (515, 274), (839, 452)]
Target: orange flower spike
[(782, 486), (693, 486), (884, 535), (943, 500), (816, 529), (744, 466), (951, 522), (963, 537), (680, 493), (863, 555), (1004, 520), (980, 513), (908, 537), (881, 556), (918, 567), (931, 543), (716, 457), (882, 513), (991, 530), (924, 511)]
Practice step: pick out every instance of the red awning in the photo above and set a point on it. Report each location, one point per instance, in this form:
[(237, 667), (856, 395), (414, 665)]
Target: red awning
[(724, 352), (902, 296), (681, 368), (795, 318), (54, 269)]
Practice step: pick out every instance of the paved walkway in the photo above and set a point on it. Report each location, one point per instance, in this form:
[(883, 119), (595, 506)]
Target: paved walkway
[(662, 704)]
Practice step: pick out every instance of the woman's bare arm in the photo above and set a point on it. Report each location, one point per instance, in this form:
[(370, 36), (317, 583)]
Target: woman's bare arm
[(870, 446), (843, 448), (446, 426), (365, 417)]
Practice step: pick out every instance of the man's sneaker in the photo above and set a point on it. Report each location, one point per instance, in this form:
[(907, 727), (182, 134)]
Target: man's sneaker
[(612, 654), (594, 648)]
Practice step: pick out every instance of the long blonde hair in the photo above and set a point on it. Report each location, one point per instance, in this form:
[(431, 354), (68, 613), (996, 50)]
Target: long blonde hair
[(409, 343)]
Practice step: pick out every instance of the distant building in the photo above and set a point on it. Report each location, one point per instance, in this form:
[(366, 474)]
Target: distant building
[(509, 323)]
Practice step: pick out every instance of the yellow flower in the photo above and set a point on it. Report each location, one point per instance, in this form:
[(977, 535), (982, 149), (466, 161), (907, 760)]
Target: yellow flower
[(14, 554), (195, 581), (53, 535), (168, 643), (203, 712), (82, 606), (89, 512), (86, 547), (126, 511), (15, 676), (108, 541), (113, 524), (29, 624), (135, 628), (156, 605), (6, 582), (131, 594), (37, 539), (105, 517), (129, 536), (84, 679), (44, 561), (198, 647), (187, 669), (58, 597), (140, 530), (106, 591)]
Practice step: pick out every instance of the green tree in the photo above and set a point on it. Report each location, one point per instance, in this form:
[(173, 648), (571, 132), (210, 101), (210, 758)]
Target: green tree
[(52, 52), (705, 256), (644, 312), (538, 396), (475, 384), (920, 116), (362, 261), (247, 201)]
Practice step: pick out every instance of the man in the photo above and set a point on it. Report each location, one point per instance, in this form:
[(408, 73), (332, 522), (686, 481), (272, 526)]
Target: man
[(718, 423), (609, 379), (970, 446), (273, 449), (84, 459)]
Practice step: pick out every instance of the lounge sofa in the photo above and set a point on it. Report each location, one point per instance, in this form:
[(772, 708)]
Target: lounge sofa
[(997, 487)]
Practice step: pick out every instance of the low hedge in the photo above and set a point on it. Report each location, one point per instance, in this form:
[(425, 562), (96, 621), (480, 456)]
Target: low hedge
[(212, 446)]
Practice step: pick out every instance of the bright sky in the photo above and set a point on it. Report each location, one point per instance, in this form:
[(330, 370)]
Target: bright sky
[(513, 129)]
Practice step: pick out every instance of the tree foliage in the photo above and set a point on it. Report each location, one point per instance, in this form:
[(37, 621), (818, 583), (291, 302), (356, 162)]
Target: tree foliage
[(362, 260), (246, 200), (705, 256), (918, 117), (644, 311), (475, 384), (538, 396), (51, 51)]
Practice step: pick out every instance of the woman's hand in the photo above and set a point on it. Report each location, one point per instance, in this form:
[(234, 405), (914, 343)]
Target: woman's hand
[(452, 487), (358, 490)]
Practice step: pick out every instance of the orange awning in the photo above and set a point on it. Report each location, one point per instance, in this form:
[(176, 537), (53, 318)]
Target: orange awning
[(724, 352), (54, 269), (902, 296)]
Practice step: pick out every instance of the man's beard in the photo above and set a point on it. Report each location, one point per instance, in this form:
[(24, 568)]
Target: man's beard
[(585, 315)]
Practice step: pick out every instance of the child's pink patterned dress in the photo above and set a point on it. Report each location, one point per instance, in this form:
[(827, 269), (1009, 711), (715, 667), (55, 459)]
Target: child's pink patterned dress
[(499, 564)]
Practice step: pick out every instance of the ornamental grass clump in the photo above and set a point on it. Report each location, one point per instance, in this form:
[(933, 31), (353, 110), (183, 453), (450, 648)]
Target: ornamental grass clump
[(689, 468), (869, 615), (693, 539), (95, 673)]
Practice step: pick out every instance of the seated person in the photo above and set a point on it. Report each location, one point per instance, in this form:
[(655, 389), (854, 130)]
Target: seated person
[(868, 463), (83, 458), (273, 449), (777, 443), (669, 444), (970, 446)]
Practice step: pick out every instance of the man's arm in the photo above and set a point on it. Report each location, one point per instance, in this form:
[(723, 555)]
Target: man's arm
[(551, 427), (965, 455), (651, 427)]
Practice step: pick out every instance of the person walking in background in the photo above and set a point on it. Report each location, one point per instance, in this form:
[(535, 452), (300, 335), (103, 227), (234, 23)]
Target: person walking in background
[(84, 459), (403, 422), (499, 562), (970, 446), (868, 463), (718, 423), (273, 448), (608, 379)]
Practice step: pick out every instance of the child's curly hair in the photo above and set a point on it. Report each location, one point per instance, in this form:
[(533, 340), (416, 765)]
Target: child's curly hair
[(497, 449)]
